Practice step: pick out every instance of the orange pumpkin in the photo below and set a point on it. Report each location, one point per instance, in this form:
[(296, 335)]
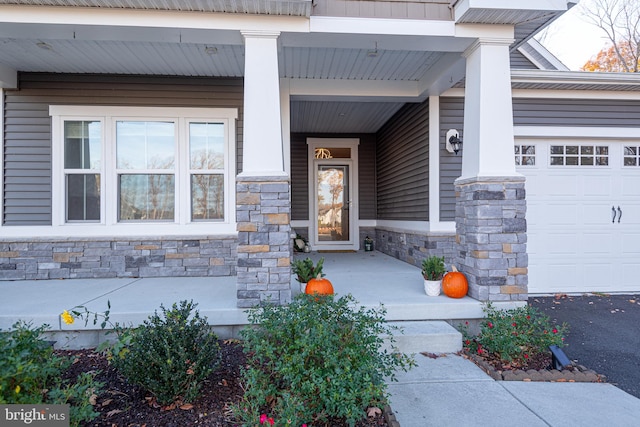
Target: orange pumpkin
[(320, 286), (454, 284)]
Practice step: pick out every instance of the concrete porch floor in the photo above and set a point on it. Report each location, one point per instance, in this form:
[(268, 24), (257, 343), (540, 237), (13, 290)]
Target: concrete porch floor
[(371, 277)]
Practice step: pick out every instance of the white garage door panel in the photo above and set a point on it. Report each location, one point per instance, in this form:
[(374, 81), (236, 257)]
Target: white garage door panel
[(560, 186), (560, 214), (627, 282), (630, 186), (573, 245), (597, 275), (597, 244), (597, 186), (597, 214), (631, 244), (563, 244)]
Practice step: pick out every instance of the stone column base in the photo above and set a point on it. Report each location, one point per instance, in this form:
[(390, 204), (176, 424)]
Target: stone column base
[(264, 240), (491, 236)]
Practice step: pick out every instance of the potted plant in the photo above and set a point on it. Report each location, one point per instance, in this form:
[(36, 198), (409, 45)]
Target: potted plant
[(305, 269), (312, 276), (432, 272)]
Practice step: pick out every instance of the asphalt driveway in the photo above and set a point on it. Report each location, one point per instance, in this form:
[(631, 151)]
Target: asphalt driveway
[(604, 334)]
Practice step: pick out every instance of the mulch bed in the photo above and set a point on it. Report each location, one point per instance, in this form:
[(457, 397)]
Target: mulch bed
[(538, 368), (125, 405)]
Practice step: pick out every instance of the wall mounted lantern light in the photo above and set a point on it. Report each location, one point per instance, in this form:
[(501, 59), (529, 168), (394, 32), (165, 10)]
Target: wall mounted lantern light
[(453, 143)]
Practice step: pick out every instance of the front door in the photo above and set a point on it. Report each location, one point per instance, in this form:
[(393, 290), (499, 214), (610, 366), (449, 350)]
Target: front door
[(333, 203)]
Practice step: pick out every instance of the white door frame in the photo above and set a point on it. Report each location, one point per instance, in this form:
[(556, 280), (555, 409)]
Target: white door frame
[(312, 143)]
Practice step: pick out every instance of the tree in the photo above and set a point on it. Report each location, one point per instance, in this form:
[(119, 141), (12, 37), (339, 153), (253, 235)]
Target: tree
[(608, 60), (620, 21)]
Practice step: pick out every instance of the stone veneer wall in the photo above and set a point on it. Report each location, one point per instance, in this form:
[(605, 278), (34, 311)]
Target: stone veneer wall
[(28, 259), (263, 209), (492, 233), (413, 247)]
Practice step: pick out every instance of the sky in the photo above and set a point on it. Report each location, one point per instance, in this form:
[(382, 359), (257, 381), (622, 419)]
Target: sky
[(573, 40)]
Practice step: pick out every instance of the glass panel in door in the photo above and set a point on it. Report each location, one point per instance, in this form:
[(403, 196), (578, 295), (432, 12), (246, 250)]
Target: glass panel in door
[(333, 203)]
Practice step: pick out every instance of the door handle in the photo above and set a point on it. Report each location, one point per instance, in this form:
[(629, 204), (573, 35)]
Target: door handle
[(619, 214), (613, 214)]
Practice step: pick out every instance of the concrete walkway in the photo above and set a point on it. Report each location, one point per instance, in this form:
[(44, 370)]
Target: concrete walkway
[(453, 391)]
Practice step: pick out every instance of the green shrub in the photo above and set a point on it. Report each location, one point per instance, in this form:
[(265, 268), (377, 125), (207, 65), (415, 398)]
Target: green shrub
[(169, 356), (315, 359), (515, 335), (30, 372)]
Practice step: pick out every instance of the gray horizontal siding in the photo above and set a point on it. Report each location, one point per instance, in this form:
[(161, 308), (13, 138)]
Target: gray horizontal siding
[(367, 176), (299, 178), (416, 9), (27, 150), (451, 117), (300, 171), (576, 112), (521, 62), (402, 165)]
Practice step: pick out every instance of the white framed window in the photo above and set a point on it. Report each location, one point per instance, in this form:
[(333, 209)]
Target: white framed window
[(525, 155), (631, 155), (579, 155), (138, 167)]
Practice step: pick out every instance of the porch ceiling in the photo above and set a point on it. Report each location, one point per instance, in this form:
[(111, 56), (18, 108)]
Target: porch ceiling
[(363, 78)]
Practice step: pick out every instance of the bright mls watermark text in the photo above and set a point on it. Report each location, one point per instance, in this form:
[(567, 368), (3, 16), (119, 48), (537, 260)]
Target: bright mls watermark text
[(34, 415)]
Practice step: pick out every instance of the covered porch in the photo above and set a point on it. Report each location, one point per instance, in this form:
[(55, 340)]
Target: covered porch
[(373, 278)]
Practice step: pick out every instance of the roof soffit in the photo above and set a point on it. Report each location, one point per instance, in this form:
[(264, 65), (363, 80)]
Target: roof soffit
[(260, 7)]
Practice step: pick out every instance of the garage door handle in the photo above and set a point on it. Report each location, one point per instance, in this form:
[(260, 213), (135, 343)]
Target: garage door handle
[(613, 214), (619, 214)]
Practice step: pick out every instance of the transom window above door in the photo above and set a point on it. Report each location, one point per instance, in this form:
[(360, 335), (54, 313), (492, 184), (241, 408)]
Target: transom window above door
[(579, 155), (125, 165)]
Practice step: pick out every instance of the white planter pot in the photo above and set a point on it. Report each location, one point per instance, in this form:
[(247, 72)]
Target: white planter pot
[(432, 287)]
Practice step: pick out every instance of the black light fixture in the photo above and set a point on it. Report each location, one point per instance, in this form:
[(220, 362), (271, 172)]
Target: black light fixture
[(559, 360), (453, 142)]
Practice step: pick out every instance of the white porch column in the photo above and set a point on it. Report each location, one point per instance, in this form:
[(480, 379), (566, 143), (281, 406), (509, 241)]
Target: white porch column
[(263, 192), (487, 149), (262, 153), (491, 225)]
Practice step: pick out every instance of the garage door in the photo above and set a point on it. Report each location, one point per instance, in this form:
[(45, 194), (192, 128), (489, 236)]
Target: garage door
[(583, 214)]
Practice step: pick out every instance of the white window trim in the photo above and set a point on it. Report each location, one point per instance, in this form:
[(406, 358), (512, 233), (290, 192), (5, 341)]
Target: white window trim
[(109, 225)]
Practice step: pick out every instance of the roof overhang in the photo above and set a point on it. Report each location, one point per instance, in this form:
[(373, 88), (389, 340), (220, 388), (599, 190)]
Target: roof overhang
[(503, 12), (574, 80), (256, 7), (528, 17)]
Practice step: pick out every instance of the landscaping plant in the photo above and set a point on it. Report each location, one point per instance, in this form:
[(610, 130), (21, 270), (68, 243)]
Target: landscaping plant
[(515, 335), (169, 355), (315, 360), (30, 372), (305, 270), (433, 268)]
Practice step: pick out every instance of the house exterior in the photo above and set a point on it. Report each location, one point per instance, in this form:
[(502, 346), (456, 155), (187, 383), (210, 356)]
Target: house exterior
[(192, 138)]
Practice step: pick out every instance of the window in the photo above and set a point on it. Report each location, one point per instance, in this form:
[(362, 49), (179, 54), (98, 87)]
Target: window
[(82, 170), (525, 155), (145, 165), (125, 165), (631, 155), (579, 155)]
